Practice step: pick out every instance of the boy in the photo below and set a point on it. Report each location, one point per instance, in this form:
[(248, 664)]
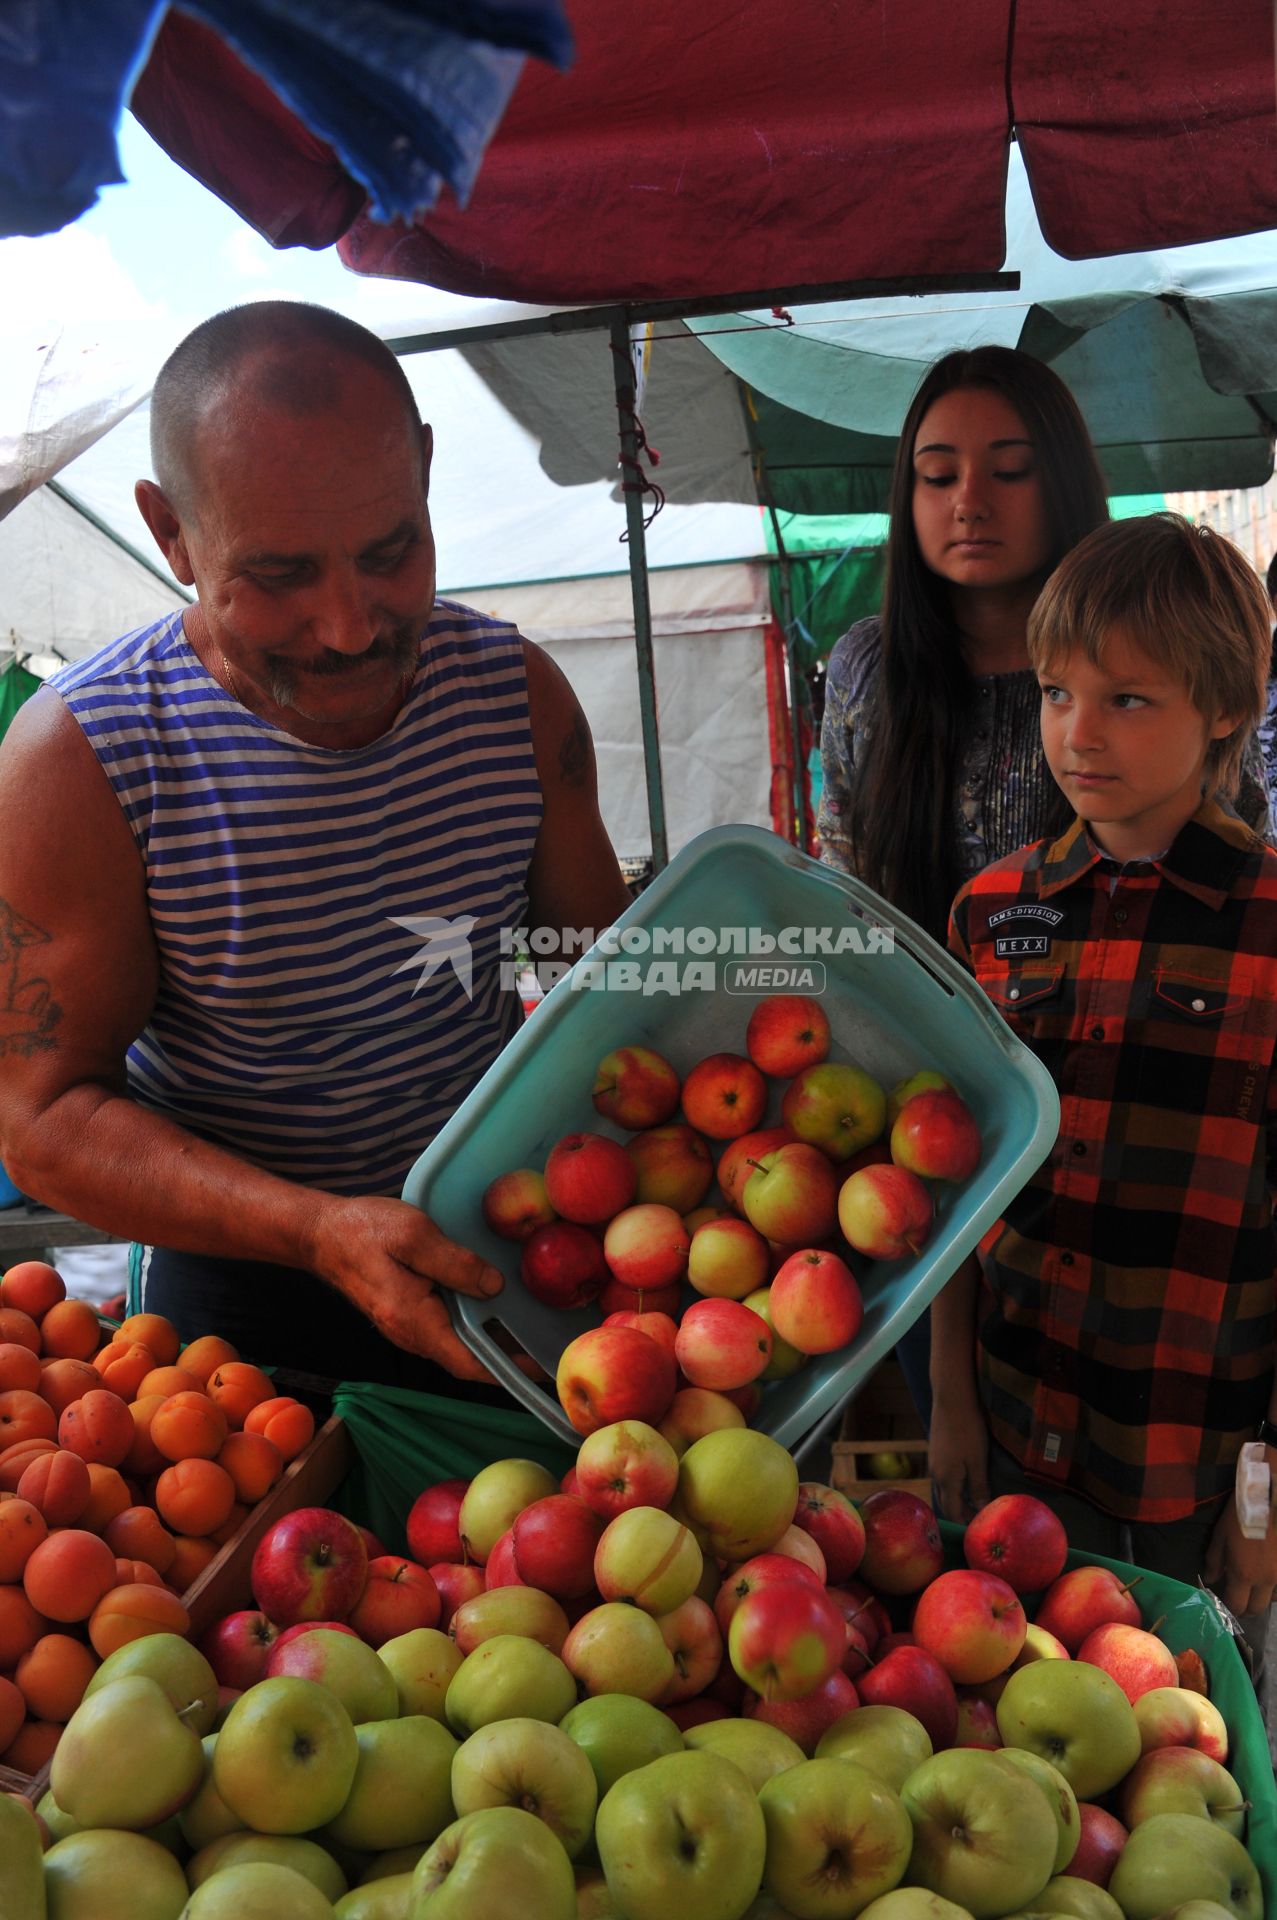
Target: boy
[(1123, 1308)]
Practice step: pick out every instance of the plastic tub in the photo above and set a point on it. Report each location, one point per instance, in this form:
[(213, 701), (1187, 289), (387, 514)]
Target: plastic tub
[(899, 1005)]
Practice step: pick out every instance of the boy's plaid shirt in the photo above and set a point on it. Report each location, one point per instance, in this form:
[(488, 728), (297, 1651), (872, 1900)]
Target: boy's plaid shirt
[(1125, 1321)]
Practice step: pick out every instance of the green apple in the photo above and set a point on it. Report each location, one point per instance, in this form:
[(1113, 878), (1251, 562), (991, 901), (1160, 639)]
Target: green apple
[(835, 1106), (105, 1874), (1060, 1798), (400, 1795), (785, 1359), (1176, 1857), (682, 1836), (836, 1838), (396, 1860), (125, 1758), (617, 1733), (348, 1667), (505, 1678), (497, 1862), (528, 1764), (891, 1466), (1182, 1780), (984, 1834), (886, 1741), (421, 1664), (55, 1818), (648, 1559), (388, 1899), (177, 1666), (22, 1892), (1079, 1899), (206, 1816), (494, 1500), (304, 1856), (1198, 1910), (257, 1890), (741, 1486), (617, 1648), (523, 1610), (759, 1750), (285, 1759), (912, 1903), (1075, 1716)]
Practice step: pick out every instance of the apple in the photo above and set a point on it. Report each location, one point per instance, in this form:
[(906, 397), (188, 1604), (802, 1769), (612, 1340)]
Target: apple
[(834, 1524), (808, 1719), (936, 1137), (1083, 1900), (237, 1647), (635, 1087), (99, 1874), (432, 1523), (315, 1863), (977, 1724), (912, 1678), (694, 1412), (398, 1596), (285, 1756), (885, 1212), (616, 1297), (1082, 1599), (343, 1666), (617, 1733), (815, 1301), (421, 1663), (516, 1204), (836, 1837), (684, 1835), (728, 1259), (886, 1465), (760, 1751), (562, 1265), (886, 1741), (973, 1622), (724, 1096), (401, 1795), (554, 1542), (626, 1464), (795, 1544), (1175, 1716), (920, 1082), (507, 1677), (1020, 1539), (722, 1344), (616, 1648), (834, 1106), (763, 1570), (529, 1764), (1060, 1797), (648, 1558), (613, 1373), (741, 1486), (589, 1178), (674, 1167), (785, 1639), (494, 1500), (787, 1032), (785, 1359), (310, 1565), (984, 1834), (287, 1635), (647, 1246), (736, 1161), (1182, 1780), (175, 1665), (1040, 1645), (520, 1609), (125, 1758), (1176, 1857), (691, 1633), (903, 1549), (455, 1585), (205, 1816), (1076, 1717), (913, 1903), (1100, 1843), (1137, 1660), (500, 1860), (657, 1326), (790, 1195)]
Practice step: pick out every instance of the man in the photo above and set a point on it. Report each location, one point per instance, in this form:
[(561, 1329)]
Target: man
[(223, 835)]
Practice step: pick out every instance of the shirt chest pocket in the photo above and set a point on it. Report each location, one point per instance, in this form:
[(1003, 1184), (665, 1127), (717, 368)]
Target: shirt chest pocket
[(1026, 997), (1197, 999)]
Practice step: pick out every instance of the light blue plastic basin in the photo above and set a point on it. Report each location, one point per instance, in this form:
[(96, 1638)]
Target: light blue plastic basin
[(891, 1012)]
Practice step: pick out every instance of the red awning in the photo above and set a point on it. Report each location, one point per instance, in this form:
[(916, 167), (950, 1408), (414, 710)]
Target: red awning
[(697, 150)]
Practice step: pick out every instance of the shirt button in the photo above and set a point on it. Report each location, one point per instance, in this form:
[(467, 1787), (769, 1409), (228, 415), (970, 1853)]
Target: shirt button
[(1014, 994), (1066, 1259), (1097, 1033), (1119, 914), (1199, 1006), (1079, 1148)]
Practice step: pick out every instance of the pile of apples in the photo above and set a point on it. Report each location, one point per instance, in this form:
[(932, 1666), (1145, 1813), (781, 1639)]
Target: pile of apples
[(124, 1466), (671, 1688), (626, 1225)]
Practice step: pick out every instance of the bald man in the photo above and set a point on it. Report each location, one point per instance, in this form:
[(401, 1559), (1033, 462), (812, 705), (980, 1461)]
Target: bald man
[(222, 836)]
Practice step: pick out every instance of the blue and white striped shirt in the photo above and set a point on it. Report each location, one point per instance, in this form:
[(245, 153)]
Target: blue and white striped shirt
[(297, 1021)]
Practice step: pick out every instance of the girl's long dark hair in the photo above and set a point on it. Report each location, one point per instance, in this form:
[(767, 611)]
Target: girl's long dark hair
[(902, 822)]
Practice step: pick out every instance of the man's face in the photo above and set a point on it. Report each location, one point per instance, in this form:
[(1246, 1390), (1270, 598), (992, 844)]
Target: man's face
[(311, 549)]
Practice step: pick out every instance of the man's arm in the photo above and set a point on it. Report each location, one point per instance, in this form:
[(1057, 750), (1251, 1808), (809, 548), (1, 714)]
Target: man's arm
[(574, 878), (78, 977), (958, 1444)]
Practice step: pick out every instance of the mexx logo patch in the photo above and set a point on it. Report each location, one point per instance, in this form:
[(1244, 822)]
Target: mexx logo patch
[(1014, 946)]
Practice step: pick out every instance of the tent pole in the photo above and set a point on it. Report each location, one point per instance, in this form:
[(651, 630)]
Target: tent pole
[(623, 378)]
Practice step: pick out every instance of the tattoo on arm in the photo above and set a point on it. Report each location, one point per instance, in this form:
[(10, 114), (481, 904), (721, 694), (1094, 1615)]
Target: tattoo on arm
[(574, 754), (28, 1015)]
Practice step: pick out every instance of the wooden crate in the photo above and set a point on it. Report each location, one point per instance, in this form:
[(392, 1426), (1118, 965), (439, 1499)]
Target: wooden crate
[(881, 1419)]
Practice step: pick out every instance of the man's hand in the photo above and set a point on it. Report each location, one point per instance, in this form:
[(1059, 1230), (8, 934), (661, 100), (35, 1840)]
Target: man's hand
[(958, 1452), (389, 1259), (1242, 1572)]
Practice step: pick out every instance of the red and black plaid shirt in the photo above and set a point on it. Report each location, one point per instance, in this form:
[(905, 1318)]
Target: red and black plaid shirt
[(1125, 1321)]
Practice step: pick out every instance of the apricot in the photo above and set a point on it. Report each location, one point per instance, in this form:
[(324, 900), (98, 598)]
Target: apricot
[(19, 1328), (123, 1365), (195, 1496), (20, 1626), (32, 1750), (190, 1557), (62, 1381), (58, 1484), (19, 1367), (155, 1331), (53, 1676), (143, 1455), (15, 1460), (285, 1421), (33, 1286), (129, 1572), (231, 1525), (237, 1388), (167, 1380), (22, 1528), (70, 1331), (254, 1464), (189, 1427), (68, 1574), (13, 1711), (98, 1426), (139, 1534), (205, 1355), (109, 1494), (130, 1613), (25, 1416)]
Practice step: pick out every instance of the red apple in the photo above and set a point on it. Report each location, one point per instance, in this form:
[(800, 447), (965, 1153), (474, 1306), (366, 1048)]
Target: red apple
[(815, 1302), (1081, 1600), (786, 1639), (628, 1464), (674, 1166), (863, 1611), (809, 1719), (835, 1106), (310, 1565), (554, 1543), (903, 1550), (935, 1136), (692, 1636), (973, 1622), (635, 1087), (646, 1246), (787, 1032), (734, 1167), (912, 1678), (613, 1373), (764, 1570), (1020, 1539), (285, 1638), (1137, 1660), (791, 1196), (722, 1344), (885, 1212), (795, 1544), (834, 1524), (724, 1095), (501, 1569), (616, 1297), (399, 1596), (694, 1713), (562, 1265), (977, 1722), (657, 1326), (694, 1412), (1175, 1716), (728, 1259), (455, 1584), (432, 1523), (238, 1646), (589, 1178), (515, 1204), (1102, 1839)]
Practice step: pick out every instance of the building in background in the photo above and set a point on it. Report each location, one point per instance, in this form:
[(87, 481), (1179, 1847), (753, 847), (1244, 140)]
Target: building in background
[(1248, 515)]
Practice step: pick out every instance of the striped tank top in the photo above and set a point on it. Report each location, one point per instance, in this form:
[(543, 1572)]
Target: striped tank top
[(306, 1017)]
